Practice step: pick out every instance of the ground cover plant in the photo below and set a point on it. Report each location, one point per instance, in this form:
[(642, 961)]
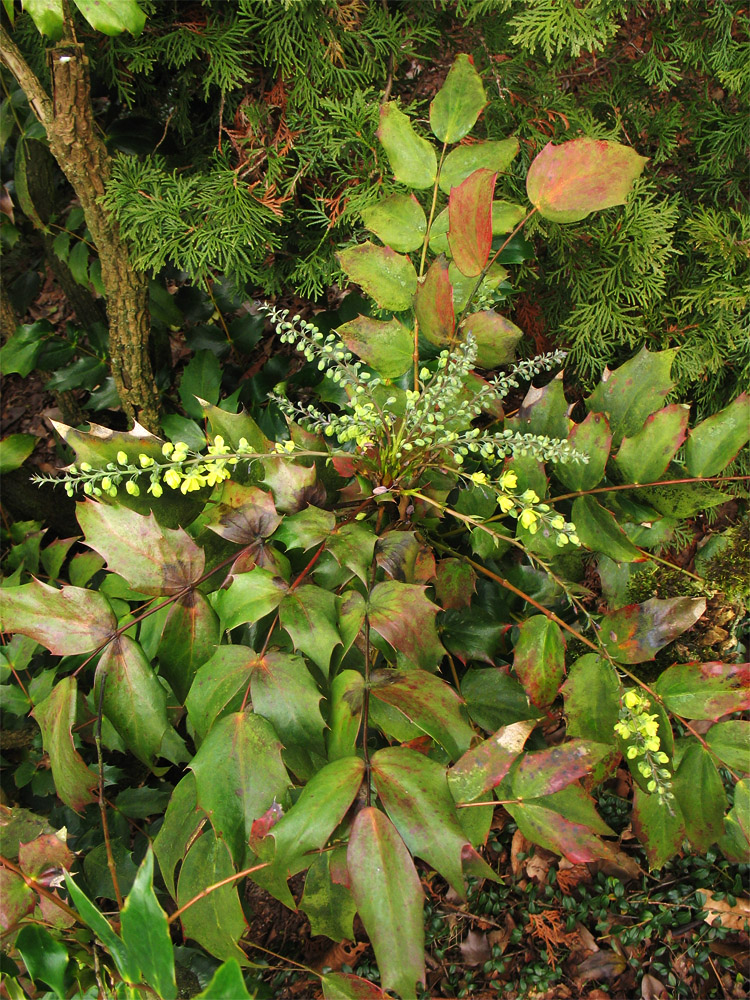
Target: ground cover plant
[(336, 651)]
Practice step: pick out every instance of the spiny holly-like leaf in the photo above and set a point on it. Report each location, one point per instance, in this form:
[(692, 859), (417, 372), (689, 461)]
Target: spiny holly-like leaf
[(352, 611), (310, 616), (633, 391), (705, 690), (637, 632), (544, 772), (352, 545), (494, 699), (458, 103), (398, 220), (45, 958), (396, 552), (293, 486), (136, 704), (405, 618), (145, 932), (433, 304), (191, 634), (703, 812), (484, 766), (389, 898), (496, 337), (284, 692), (67, 621), (567, 182), (386, 276), (429, 703), (464, 160), (385, 345), (543, 411), (599, 531), (347, 691), (470, 221), (233, 427), (539, 659), (463, 286), (44, 853), (592, 696), (154, 560), (249, 597), (566, 822), (329, 905), (644, 457), (714, 443), (307, 826), (239, 774), (244, 514), (181, 823), (412, 158), (592, 437), (56, 716), (730, 741), (219, 686), (345, 986), (455, 583), (112, 17), (660, 830), (216, 920)]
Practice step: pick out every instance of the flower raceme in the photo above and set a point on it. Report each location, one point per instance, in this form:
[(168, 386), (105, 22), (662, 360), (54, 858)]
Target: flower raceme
[(640, 731)]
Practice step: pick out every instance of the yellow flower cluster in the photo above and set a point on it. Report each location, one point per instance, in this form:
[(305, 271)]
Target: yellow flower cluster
[(640, 731), (526, 506)]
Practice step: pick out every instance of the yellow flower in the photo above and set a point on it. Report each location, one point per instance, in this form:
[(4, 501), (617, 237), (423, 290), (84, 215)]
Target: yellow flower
[(529, 520), (479, 478), (172, 478), (508, 480), (122, 458), (506, 504)]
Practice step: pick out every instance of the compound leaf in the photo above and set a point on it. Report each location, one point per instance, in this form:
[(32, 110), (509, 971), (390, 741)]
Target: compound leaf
[(412, 158), (386, 276), (405, 618), (636, 633), (644, 457), (458, 103)]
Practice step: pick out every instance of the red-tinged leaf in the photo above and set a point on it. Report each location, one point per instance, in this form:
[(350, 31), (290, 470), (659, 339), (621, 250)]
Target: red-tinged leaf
[(433, 304), (249, 597), (136, 703), (484, 766), (457, 105), (262, 826), (239, 775), (154, 560), (352, 546), (385, 345), (714, 443), (633, 391), (396, 552), (398, 220), (660, 830), (219, 687), (636, 633), (405, 618), (701, 797), (244, 514), (306, 827), (345, 986), (464, 160), (539, 659), (328, 904), (306, 528), (556, 832), (310, 616), (544, 772), (496, 337), (347, 691), (284, 692), (429, 703), (293, 486), (730, 741), (567, 182), (386, 276), (470, 221), (389, 898), (645, 457), (16, 899), (56, 716), (67, 621), (182, 821), (592, 437), (455, 583), (705, 690), (543, 411), (44, 856), (351, 618), (190, 637), (599, 531), (412, 158)]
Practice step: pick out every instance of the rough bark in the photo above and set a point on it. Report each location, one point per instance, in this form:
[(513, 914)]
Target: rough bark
[(8, 318)]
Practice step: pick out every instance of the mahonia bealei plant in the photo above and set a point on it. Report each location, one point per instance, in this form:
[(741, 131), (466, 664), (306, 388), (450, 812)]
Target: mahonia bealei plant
[(640, 731)]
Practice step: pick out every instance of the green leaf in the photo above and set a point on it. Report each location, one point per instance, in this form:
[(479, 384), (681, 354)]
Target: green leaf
[(660, 831), (249, 597), (539, 659), (386, 345), (463, 286), (99, 876), (396, 552), (484, 766), (145, 932), (135, 703), (412, 158), (329, 905), (470, 221), (310, 616), (21, 350), (112, 17), (705, 690), (592, 695), (682, 499), (567, 182), (494, 699), (592, 437), (566, 823), (730, 741), (505, 217), (429, 703), (226, 982), (455, 584), (701, 797), (496, 337), (284, 692), (235, 426), (715, 442), (544, 772), (67, 621), (458, 103), (405, 618), (181, 822), (191, 634), (215, 921), (219, 687), (305, 529), (244, 514), (94, 919), (154, 560), (16, 899), (290, 483), (14, 450), (633, 391), (56, 716), (389, 898), (386, 276), (347, 690), (645, 457), (496, 156), (636, 633), (599, 531), (398, 220), (78, 262), (201, 380), (543, 411), (352, 546), (238, 775), (45, 958), (345, 986), (47, 15)]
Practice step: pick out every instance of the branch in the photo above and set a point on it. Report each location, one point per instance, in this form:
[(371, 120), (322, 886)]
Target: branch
[(38, 97)]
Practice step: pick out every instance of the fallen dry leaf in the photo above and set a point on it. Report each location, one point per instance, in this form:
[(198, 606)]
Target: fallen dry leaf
[(601, 965), (519, 845), (652, 988), (734, 918), (341, 954), (475, 948), (622, 866)]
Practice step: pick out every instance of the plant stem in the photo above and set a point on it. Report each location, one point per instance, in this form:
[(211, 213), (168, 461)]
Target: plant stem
[(647, 486), (212, 888)]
